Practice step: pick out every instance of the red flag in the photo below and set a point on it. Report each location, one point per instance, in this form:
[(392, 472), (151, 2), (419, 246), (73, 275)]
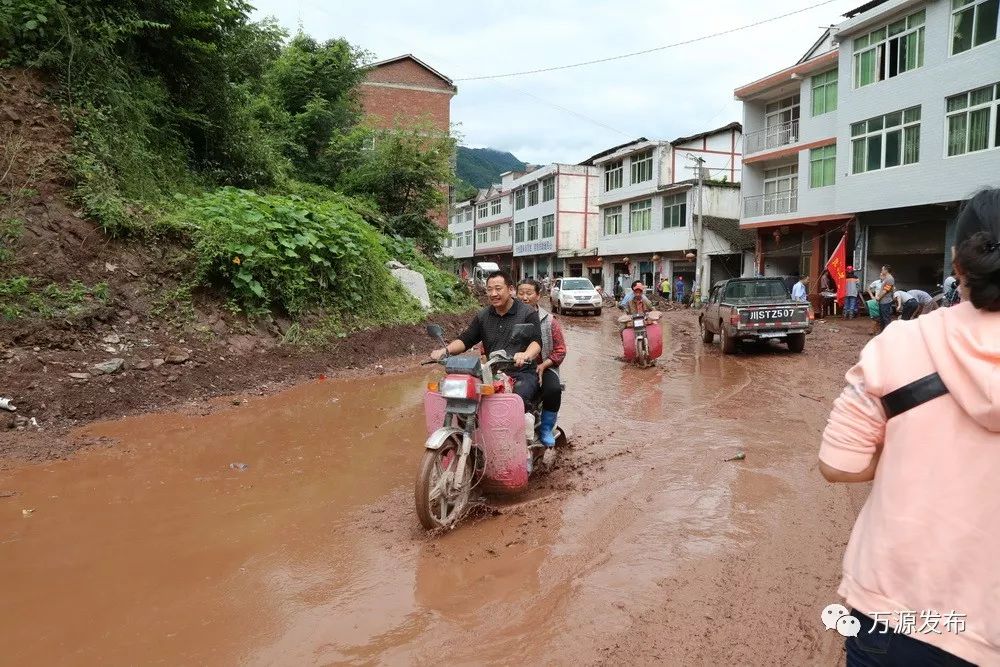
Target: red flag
[(837, 266)]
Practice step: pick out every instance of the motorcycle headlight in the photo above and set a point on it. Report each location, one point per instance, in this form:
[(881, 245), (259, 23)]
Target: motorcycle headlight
[(456, 388)]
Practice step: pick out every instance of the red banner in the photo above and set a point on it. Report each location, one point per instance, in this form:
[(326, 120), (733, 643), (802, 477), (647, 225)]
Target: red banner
[(837, 266)]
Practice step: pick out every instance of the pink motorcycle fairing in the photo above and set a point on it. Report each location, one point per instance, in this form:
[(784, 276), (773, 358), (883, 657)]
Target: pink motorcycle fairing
[(500, 434)]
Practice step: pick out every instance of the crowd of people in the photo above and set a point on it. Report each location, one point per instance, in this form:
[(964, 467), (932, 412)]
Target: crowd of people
[(882, 299)]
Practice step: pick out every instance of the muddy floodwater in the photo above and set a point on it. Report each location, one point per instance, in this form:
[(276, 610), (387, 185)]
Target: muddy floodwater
[(642, 546)]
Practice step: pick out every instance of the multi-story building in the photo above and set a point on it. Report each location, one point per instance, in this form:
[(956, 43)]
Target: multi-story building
[(493, 238), (648, 204), (555, 220), (461, 229), (892, 118), (405, 92)]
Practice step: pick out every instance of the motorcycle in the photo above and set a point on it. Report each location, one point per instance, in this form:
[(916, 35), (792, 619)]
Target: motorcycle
[(479, 435), (642, 338)]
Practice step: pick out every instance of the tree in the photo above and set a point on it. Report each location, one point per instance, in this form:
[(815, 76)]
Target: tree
[(404, 174), (316, 86)]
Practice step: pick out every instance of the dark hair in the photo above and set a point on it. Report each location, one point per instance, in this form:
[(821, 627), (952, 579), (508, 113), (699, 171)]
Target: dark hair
[(535, 285), (638, 282), (501, 274), (888, 269), (977, 248)]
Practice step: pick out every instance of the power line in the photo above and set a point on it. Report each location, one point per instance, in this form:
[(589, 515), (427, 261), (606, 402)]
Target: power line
[(645, 51)]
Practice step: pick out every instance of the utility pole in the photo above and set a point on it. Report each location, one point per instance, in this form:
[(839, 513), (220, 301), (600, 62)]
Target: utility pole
[(699, 235)]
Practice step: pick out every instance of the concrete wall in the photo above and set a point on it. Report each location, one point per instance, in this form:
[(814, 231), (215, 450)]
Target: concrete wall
[(576, 192)]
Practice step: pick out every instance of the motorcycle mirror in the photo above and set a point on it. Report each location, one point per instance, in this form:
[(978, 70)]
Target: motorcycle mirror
[(520, 333)]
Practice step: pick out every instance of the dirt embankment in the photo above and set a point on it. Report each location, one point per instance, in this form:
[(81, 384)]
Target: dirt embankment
[(49, 364)]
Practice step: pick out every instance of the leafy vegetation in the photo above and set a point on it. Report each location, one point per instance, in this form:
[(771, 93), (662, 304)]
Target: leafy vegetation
[(297, 254), (193, 120), (22, 296)]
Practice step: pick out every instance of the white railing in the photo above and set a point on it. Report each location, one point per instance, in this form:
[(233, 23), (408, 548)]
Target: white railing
[(772, 137), (771, 204)]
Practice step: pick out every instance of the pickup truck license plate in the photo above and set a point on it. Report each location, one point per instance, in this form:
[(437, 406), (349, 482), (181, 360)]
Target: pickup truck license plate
[(771, 334)]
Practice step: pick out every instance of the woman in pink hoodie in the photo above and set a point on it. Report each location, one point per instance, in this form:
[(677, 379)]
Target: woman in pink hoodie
[(920, 417)]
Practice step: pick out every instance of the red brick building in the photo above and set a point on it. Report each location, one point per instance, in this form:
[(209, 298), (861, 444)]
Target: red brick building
[(404, 91)]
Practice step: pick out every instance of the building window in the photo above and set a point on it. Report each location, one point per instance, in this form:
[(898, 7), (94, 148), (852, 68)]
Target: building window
[(468, 237), (519, 199), (494, 233), (613, 172), (890, 50), (495, 207), (823, 166), (781, 190), (533, 194), (642, 166), (481, 236), (519, 232), (548, 226), (468, 215), (481, 210), (886, 141), (974, 120), (781, 123), (973, 22), (612, 220), (824, 93), (675, 211), (533, 229), (640, 216), (549, 189)]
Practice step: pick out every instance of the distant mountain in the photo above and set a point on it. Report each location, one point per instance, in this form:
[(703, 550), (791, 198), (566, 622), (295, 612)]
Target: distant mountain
[(481, 167)]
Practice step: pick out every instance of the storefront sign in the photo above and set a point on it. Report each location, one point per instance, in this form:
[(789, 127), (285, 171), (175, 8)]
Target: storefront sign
[(539, 247)]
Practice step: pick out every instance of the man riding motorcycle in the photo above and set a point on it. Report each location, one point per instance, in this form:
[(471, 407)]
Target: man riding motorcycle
[(553, 353), (492, 327), (634, 302)]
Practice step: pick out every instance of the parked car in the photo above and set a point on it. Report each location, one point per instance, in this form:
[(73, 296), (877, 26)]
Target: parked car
[(569, 294), (754, 309)]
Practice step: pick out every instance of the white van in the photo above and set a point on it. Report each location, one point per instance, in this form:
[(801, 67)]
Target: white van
[(482, 272)]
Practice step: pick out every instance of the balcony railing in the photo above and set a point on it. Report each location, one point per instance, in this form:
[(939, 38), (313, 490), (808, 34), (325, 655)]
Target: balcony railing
[(772, 137), (771, 204)]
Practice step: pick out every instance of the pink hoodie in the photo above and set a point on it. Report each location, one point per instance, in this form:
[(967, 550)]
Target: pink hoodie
[(928, 537)]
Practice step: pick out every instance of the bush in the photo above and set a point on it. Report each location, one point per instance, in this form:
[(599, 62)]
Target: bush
[(292, 254)]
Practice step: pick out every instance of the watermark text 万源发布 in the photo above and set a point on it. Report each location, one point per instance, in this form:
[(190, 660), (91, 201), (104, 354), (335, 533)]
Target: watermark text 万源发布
[(928, 621)]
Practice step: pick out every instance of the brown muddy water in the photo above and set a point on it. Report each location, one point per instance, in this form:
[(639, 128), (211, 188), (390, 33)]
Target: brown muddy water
[(157, 551)]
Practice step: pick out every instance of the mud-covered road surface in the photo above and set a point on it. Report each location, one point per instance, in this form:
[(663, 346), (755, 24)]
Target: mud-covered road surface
[(643, 545)]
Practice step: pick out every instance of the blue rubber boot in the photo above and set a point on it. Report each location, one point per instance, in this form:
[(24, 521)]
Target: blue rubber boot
[(545, 432)]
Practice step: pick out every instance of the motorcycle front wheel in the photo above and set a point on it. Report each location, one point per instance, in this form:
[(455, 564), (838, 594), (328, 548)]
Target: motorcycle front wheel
[(439, 504)]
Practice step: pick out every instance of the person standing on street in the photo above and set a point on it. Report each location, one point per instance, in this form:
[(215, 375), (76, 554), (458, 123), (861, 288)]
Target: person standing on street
[(799, 291), (920, 418), (665, 288), (885, 298), (828, 290), (852, 292), (679, 290)]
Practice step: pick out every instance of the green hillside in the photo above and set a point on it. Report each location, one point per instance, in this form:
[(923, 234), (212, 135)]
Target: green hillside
[(482, 166)]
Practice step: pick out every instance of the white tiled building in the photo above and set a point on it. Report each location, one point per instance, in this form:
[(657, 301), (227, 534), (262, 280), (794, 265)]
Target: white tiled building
[(891, 119), (555, 219), (460, 244), (648, 204), (493, 238)]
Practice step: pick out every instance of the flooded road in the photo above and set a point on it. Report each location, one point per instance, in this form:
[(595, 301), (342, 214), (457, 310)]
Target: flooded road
[(642, 546)]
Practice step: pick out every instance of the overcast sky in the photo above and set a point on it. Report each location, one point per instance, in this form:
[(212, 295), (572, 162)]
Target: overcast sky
[(663, 95)]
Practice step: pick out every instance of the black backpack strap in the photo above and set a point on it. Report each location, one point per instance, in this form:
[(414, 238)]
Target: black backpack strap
[(911, 395)]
